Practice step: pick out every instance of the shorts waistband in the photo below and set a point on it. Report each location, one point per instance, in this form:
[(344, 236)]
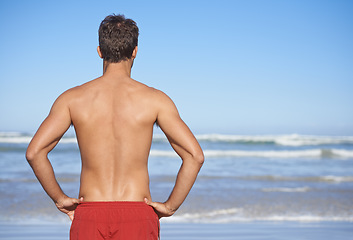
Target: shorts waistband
[(113, 204)]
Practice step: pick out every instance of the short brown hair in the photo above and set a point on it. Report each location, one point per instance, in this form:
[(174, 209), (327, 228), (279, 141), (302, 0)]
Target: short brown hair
[(118, 38)]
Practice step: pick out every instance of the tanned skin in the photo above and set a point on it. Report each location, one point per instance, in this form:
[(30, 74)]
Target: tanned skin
[(113, 117)]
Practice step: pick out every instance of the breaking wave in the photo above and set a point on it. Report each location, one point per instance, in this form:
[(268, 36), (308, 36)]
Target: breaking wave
[(25, 138), (309, 153), (286, 189), (231, 215), (283, 140)]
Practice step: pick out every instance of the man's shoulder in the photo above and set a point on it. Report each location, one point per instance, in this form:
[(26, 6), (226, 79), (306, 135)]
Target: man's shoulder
[(158, 95), (161, 101), (80, 90), (70, 94), (151, 91)]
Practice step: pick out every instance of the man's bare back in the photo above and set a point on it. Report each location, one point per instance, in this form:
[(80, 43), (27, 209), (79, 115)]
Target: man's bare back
[(113, 117)]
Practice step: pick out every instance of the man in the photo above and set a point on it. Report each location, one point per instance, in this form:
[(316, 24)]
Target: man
[(113, 117)]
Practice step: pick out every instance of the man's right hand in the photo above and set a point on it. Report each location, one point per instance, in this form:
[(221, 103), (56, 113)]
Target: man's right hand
[(161, 209)]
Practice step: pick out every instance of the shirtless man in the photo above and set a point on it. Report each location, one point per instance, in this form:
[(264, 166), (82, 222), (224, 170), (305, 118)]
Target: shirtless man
[(113, 117)]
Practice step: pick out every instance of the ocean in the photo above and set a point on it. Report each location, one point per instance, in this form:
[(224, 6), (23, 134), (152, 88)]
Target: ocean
[(244, 178)]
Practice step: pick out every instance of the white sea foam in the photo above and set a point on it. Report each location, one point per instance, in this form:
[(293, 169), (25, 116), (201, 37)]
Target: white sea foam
[(337, 179), (309, 153), (285, 140), (328, 178), (342, 153), (232, 215), (229, 216), (239, 215), (286, 189), (266, 154), (305, 218), (206, 217), (68, 140), (162, 153), (15, 139)]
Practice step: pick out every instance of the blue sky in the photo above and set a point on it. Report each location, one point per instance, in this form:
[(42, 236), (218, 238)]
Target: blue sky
[(234, 67)]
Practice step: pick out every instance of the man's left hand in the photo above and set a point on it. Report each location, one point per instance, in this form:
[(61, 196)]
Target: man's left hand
[(68, 206)]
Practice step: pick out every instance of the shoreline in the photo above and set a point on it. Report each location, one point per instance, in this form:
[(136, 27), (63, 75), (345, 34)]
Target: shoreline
[(252, 230)]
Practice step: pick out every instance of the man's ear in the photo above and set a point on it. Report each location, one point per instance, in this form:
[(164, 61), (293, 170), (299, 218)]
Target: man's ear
[(99, 52), (134, 53)]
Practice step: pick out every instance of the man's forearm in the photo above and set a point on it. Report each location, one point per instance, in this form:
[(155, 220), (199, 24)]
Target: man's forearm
[(184, 182), (44, 172)]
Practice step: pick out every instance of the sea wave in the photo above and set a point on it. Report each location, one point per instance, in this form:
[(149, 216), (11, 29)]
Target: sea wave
[(24, 138), (15, 139), (33, 179), (208, 216), (342, 153), (285, 140), (309, 153), (171, 179), (327, 178), (337, 179), (231, 215), (286, 189), (293, 140), (316, 153)]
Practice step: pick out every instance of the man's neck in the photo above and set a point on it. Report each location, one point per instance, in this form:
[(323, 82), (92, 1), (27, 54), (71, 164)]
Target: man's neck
[(122, 68)]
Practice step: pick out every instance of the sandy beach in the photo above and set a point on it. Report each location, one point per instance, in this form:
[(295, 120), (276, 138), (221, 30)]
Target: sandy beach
[(245, 231)]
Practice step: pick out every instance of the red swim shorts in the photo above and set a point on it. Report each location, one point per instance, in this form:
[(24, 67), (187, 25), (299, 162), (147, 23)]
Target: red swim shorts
[(114, 220)]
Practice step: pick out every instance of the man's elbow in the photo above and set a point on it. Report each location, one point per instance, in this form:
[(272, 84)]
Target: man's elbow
[(31, 154), (199, 157)]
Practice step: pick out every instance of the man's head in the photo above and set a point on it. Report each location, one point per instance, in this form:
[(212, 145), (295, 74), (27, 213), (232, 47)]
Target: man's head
[(118, 38)]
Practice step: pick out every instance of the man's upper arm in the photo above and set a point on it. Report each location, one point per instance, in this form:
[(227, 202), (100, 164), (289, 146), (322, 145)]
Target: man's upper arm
[(53, 127), (177, 132)]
